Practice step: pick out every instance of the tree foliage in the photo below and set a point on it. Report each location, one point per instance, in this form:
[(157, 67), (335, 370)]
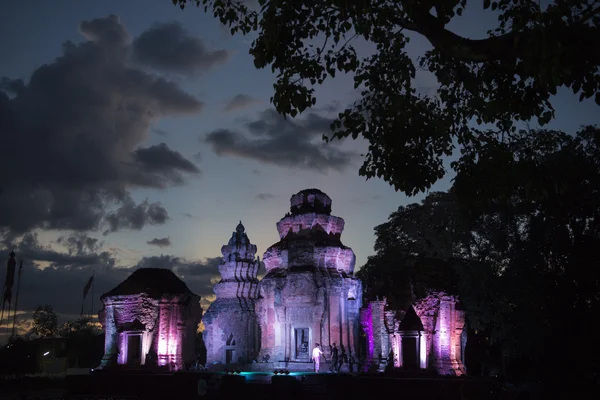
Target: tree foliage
[(509, 75), (84, 347), (45, 322), (521, 254)]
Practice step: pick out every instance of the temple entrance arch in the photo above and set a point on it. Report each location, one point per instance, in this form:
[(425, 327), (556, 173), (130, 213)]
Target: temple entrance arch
[(230, 349), (134, 348), (301, 342)]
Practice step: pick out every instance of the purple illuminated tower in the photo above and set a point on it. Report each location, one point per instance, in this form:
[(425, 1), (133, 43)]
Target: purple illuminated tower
[(309, 294), (231, 330)]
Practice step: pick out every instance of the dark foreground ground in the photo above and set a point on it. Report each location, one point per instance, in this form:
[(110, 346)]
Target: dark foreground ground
[(183, 386)]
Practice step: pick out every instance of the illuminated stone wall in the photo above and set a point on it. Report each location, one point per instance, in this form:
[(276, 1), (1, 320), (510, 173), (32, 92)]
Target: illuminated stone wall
[(154, 311), (231, 329), (436, 332), (309, 294)]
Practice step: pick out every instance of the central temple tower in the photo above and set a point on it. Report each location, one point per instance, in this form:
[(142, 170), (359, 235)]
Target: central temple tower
[(309, 294)]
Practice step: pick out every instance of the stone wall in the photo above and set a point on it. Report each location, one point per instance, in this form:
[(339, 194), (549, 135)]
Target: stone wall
[(167, 327), (231, 332), (440, 344), (309, 288)]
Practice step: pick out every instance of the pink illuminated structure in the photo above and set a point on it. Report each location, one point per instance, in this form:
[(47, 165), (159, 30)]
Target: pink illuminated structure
[(150, 319), (309, 293), (231, 329), (428, 335)]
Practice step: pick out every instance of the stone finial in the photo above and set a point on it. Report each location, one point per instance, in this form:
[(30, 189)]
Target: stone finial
[(240, 228)]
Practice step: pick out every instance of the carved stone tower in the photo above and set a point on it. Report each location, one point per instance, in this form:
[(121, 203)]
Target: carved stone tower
[(309, 294), (231, 331)]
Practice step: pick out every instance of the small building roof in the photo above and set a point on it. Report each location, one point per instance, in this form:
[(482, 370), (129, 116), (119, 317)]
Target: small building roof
[(155, 282), (411, 321)]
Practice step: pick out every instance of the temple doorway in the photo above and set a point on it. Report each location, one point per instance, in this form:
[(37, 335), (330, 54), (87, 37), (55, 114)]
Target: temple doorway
[(229, 354), (134, 349), (302, 341), (230, 349), (409, 353)]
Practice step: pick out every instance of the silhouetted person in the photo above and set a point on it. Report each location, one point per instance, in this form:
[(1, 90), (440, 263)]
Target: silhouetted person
[(334, 359), (343, 358)]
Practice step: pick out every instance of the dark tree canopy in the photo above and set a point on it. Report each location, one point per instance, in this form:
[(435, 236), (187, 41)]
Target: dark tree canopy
[(45, 322), (522, 255), (507, 76)]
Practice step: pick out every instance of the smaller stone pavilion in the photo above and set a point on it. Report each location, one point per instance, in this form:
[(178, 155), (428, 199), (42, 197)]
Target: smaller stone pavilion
[(150, 319), (429, 335)]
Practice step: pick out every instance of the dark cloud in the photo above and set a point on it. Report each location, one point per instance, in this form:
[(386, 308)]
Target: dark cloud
[(264, 196), (58, 278), (285, 142), (136, 216), (160, 242), (240, 101), (159, 132), (332, 107), (199, 276), (164, 164), (169, 47), (71, 134), (12, 86)]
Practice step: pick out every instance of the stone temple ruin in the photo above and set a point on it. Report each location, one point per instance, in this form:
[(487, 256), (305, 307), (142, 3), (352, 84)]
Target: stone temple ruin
[(231, 328), (310, 295), (429, 335), (150, 319)]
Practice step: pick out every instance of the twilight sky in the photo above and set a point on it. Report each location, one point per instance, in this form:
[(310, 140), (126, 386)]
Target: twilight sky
[(137, 134)]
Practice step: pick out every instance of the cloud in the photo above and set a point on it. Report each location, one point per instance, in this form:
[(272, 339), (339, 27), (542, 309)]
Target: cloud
[(55, 277), (136, 216), (293, 143), (12, 86), (162, 242), (264, 196), (74, 131), (169, 47), (240, 101), (159, 132), (200, 276), (163, 164)]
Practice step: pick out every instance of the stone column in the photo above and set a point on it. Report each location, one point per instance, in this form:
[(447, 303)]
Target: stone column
[(111, 342), (335, 335), (353, 321), (344, 320)]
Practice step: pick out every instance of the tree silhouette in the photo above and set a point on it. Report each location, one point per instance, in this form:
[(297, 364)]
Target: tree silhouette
[(45, 322), (508, 76), (523, 258)]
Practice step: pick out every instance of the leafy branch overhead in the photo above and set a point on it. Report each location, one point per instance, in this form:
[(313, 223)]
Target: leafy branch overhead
[(508, 76)]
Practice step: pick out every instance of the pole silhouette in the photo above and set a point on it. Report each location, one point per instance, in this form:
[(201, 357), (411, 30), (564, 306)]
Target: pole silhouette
[(17, 297)]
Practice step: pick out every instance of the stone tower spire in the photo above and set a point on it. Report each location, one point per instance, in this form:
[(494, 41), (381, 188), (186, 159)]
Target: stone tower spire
[(231, 334), (238, 267)]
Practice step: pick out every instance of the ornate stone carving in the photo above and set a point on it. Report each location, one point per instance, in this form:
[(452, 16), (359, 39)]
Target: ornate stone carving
[(232, 314), (158, 312), (301, 315)]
